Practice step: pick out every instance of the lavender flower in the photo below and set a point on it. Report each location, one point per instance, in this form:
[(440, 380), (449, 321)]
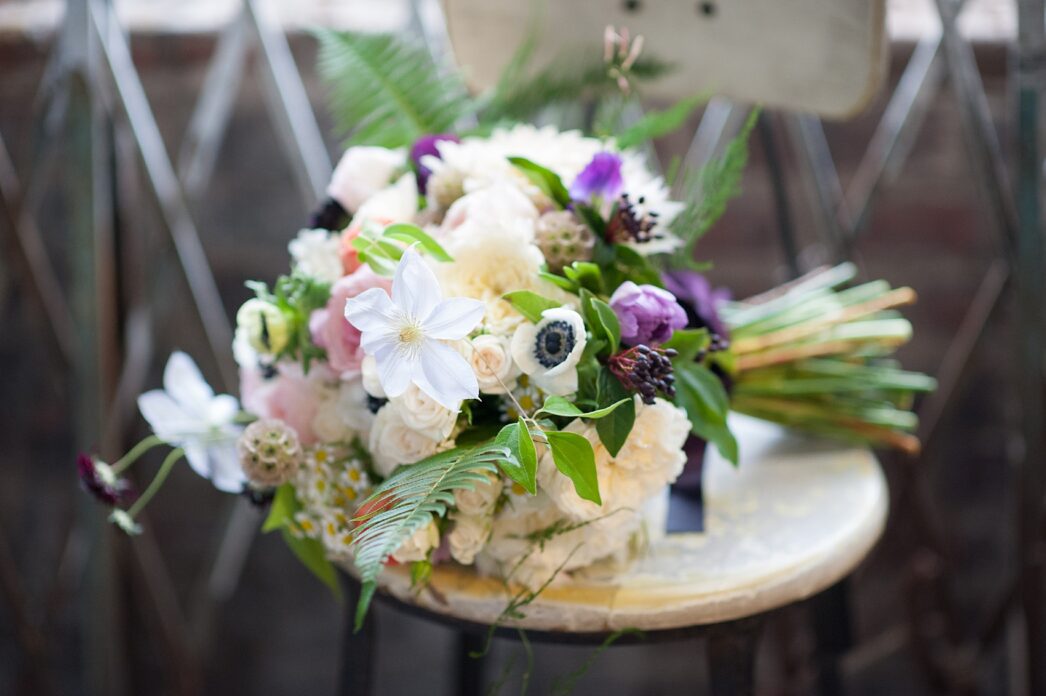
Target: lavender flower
[(700, 299), (426, 146), (600, 178), (647, 314)]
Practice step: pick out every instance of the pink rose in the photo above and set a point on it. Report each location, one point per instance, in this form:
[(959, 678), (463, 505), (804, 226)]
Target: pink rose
[(332, 332), (294, 398)]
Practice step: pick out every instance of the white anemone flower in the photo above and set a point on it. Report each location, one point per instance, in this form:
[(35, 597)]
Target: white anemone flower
[(405, 334), (186, 413), (550, 350)]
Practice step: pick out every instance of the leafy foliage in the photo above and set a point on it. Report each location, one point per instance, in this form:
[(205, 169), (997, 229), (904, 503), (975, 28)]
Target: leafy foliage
[(309, 551), (655, 124), (700, 393), (380, 249), (408, 500), (530, 304), (545, 179), (616, 427), (523, 466), (712, 187), (386, 91), (573, 456), (297, 296)]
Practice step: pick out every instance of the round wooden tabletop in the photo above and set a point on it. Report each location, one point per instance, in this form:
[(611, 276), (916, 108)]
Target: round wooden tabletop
[(795, 517)]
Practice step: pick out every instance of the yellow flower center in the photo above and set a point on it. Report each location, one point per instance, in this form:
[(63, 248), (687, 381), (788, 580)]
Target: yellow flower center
[(411, 334)]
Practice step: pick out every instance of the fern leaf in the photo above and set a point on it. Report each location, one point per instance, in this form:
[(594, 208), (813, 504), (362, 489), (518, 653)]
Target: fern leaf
[(712, 188), (655, 124), (384, 91), (408, 500)]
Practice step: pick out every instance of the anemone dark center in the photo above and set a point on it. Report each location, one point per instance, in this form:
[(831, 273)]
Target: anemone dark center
[(553, 344)]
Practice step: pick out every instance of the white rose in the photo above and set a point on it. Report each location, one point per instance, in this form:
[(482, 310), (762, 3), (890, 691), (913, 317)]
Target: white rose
[(495, 370), (353, 407), (422, 413), (316, 253), (418, 546), (328, 424), (467, 537), (501, 201), (362, 172), (481, 499), (396, 203), (392, 442), (550, 350), (369, 373)]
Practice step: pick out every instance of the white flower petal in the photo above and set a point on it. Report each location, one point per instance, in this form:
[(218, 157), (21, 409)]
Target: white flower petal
[(394, 370), (165, 416), (448, 378), (371, 310), (415, 289), (183, 381), (454, 318), (522, 348), (217, 463), (222, 409)]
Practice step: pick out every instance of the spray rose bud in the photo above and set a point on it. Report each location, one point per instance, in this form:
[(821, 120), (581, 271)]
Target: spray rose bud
[(265, 326)]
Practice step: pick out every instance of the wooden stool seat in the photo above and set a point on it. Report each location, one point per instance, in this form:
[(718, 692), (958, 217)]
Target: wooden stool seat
[(794, 518)]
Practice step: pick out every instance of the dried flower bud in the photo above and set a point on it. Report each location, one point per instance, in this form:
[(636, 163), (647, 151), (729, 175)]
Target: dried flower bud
[(270, 452), (563, 239)]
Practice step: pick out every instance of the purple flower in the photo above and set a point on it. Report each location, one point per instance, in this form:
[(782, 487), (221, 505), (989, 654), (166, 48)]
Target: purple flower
[(647, 314), (99, 480), (700, 299), (426, 145), (600, 178)]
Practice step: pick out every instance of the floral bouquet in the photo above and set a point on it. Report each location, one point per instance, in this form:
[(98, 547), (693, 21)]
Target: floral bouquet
[(490, 350)]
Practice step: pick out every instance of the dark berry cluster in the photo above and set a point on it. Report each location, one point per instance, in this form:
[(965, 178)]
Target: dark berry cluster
[(628, 225), (329, 216), (716, 344), (645, 370)]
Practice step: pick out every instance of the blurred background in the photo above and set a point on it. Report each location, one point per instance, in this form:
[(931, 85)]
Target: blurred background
[(201, 604)]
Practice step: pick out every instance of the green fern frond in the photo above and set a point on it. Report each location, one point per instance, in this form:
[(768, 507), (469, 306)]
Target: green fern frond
[(385, 91), (711, 188), (408, 500)]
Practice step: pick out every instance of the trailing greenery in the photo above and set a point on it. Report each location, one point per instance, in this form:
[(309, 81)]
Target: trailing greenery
[(656, 124), (386, 91), (408, 500), (310, 552)]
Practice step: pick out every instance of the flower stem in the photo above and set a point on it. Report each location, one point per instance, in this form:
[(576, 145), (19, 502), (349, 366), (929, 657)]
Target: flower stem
[(157, 481), (137, 451)]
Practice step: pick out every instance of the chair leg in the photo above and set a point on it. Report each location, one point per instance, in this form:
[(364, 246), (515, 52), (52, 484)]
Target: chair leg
[(731, 657), (470, 669), (358, 649), (833, 633)]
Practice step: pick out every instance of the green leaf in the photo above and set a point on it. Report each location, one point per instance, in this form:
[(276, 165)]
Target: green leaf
[(700, 393), (688, 343), (609, 322), (573, 456), (559, 281), (629, 264), (559, 406), (408, 500), (655, 124), (545, 179), (522, 466), (387, 91), (411, 234), (530, 304), (284, 506), (586, 275), (312, 555), (615, 428)]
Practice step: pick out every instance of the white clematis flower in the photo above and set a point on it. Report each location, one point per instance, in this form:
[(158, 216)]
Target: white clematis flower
[(550, 350), (404, 333), (186, 413)]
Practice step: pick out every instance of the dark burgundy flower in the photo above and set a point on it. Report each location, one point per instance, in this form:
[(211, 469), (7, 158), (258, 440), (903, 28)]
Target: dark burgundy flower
[(423, 146), (99, 480)]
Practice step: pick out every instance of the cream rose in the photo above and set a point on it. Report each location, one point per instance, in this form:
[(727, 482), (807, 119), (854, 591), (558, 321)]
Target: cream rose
[(392, 442), (396, 203), (369, 374), (328, 424), (481, 499), (422, 413), (417, 547), (492, 362), (362, 172), (467, 537)]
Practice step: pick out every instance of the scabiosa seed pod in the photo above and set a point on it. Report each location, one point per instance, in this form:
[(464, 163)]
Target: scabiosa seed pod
[(270, 452), (563, 239)]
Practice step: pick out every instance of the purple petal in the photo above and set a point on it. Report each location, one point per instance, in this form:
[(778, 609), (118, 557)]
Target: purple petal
[(423, 146), (600, 178)]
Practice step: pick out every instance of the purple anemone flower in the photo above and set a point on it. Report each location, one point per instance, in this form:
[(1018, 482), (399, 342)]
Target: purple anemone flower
[(648, 315), (426, 145), (700, 299), (600, 178)]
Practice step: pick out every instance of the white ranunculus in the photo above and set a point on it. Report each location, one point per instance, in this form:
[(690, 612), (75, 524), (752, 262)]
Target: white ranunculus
[(492, 361), (424, 414), (495, 203), (550, 350), (392, 442), (353, 407), (395, 203), (467, 536), (481, 499), (417, 547), (369, 375), (316, 253), (362, 172)]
